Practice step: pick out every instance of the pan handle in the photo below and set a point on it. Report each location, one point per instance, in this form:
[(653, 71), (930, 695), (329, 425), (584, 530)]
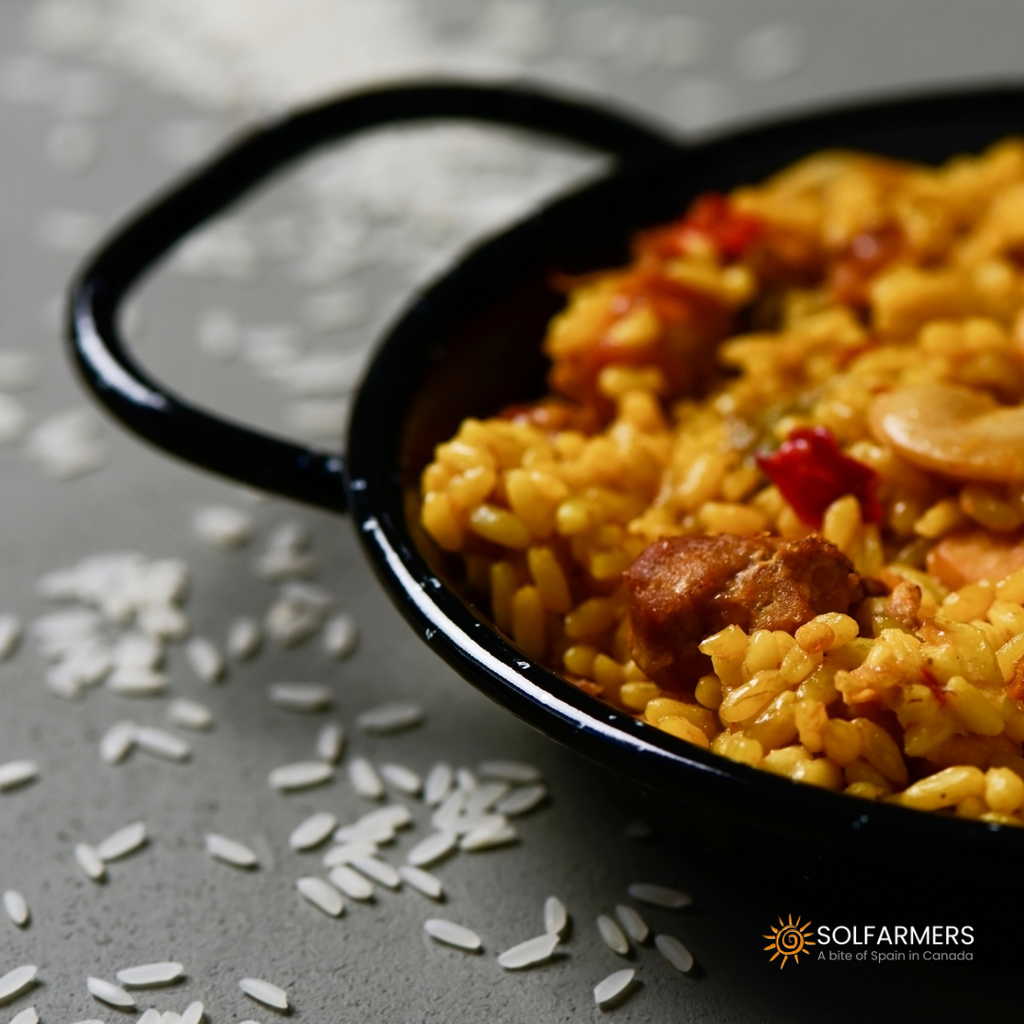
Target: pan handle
[(208, 440)]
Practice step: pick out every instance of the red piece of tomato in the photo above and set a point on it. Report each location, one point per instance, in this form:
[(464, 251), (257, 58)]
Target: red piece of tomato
[(811, 471), (712, 216)]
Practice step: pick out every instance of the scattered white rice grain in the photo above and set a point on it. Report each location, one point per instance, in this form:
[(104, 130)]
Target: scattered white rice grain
[(365, 780), (674, 952), (244, 639), (293, 536), (142, 1020), (230, 851), (151, 1016), (308, 697), (164, 621), (26, 1016), (405, 780), (485, 837), (556, 917), (300, 775), (10, 634), (351, 883), (68, 445), (438, 783), (323, 896), (395, 815), (432, 849), (529, 953), (204, 659), (122, 842), (90, 862), (341, 636), (161, 743), (63, 681), (516, 772), (485, 797), (612, 935), (377, 871), (452, 934), (375, 832), (17, 773), (128, 681), (16, 907), (108, 992), (522, 800), (276, 565), (138, 650), (193, 1013), (223, 527), (659, 896), (13, 983), (346, 851), (189, 714), (117, 742), (313, 831), (636, 927), (446, 816), (466, 780), (330, 742), (264, 992), (614, 988), (150, 975), (422, 881), (170, 1017), (393, 716), (289, 622)]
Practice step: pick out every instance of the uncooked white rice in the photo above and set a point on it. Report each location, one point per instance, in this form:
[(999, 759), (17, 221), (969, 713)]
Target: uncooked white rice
[(522, 800), (556, 917), (230, 851), (452, 934), (466, 780), (489, 835), (164, 621), (378, 871), (13, 983), (636, 927), (10, 634), (380, 831), (193, 1013), (530, 953), (364, 778), (344, 853), (659, 896), (204, 659), (189, 714), (108, 992), (223, 527), (350, 882), (323, 896), (117, 742), (394, 716), (122, 842), (26, 1016), (264, 992), (150, 975), (313, 831), (422, 881), (516, 772), (170, 1017), (138, 650), (614, 988), (301, 775), (161, 743), (432, 849), (674, 952), (405, 780), (341, 636), (16, 907), (244, 639), (612, 936), (438, 784), (307, 697), (484, 797), (151, 1016), (90, 862), (17, 773), (135, 681), (445, 818), (330, 742), (288, 622)]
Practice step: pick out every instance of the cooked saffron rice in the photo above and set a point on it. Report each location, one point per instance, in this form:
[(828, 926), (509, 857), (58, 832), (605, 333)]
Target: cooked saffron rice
[(817, 376)]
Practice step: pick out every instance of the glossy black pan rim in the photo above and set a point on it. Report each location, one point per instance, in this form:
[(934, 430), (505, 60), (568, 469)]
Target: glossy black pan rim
[(372, 489)]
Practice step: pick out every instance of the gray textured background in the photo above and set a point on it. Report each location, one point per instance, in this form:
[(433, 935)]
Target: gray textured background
[(170, 900)]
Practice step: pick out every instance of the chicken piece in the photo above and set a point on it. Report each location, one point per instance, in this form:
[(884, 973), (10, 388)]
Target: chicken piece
[(904, 604), (969, 556), (683, 589)]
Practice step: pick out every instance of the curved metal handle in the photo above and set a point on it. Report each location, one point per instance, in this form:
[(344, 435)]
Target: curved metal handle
[(230, 449)]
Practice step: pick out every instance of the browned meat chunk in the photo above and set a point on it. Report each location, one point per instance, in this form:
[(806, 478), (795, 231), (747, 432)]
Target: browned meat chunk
[(682, 589)]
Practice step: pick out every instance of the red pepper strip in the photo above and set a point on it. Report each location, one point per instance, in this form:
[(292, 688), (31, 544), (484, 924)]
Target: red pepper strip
[(811, 471), (933, 684), (711, 215)]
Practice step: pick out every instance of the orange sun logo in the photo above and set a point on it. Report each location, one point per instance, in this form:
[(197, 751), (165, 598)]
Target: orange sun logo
[(790, 939)]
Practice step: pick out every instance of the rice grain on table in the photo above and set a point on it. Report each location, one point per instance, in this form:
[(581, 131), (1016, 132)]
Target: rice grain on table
[(422, 881), (486, 837), (341, 636), (556, 917), (122, 842), (136, 681), (193, 1013), (364, 779), (515, 772), (438, 784), (612, 936), (636, 927), (405, 780), (323, 896), (26, 1016), (350, 882), (330, 742), (108, 992), (150, 975), (378, 871), (302, 775), (445, 818), (161, 743), (452, 934), (204, 659), (17, 773), (659, 896), (485, 796), (230, 851), (394, 716), (137, 650), (432, 849), (308, 697), (522, 800), (151, 1016), (223, 527), (530, 953), (344, 853), (170, 1017), (313, 831), (10, 635), (17, 981), (264, 992), (615, 988), (244, 639), (189, 714), (674, 952), (16, 907), (117, 742), (90, 862)]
